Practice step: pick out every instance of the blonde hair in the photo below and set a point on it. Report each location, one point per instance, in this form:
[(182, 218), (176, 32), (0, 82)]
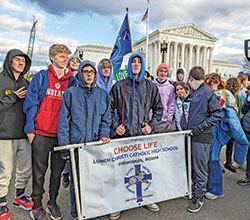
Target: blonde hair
[(59, 48), (105, 63), (242, 78)]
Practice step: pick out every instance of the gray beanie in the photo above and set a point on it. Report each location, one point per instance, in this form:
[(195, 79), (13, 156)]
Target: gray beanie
[(74, 56)]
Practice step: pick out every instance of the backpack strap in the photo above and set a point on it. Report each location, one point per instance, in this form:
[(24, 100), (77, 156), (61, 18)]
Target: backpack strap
[(42, 81), (40, 84)]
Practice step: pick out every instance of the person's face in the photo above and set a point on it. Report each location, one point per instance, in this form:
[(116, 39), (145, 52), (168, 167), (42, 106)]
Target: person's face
[(162, 74), (88, 74), (74, 64), (180, 76), (180, 91), (136, 65), (191, 82), (18, 64), (60, 60), (106, 70), (244, 83)]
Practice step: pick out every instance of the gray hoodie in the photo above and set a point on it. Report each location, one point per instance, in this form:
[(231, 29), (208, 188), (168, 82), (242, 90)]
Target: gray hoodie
[(12, 118), (185, 74)]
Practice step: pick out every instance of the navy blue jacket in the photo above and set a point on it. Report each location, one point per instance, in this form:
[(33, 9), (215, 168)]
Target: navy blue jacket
[(35, 95), (204, 113), (85, 114), (245, 111)]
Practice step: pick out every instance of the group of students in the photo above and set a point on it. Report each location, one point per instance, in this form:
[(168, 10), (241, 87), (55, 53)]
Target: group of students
[(72, 102)]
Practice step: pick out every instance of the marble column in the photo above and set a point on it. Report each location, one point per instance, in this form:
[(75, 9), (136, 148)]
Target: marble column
[(155, 56), (190, 65), (151, 51), (204, 63), (210, 59), (182, 55), (168, 52), (175, 56), (197, 59)]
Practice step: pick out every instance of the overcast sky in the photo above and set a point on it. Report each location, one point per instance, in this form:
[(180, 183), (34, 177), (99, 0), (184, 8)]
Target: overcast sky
[(97, 22)]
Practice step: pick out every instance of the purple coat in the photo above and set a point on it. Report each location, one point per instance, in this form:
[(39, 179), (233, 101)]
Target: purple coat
[(167, 93)]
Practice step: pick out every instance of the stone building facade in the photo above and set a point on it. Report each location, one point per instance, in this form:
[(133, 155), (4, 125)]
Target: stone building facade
[(179, 46)]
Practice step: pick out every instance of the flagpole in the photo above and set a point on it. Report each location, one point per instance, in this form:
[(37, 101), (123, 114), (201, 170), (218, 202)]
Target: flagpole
[(130, 32), (147, 38)]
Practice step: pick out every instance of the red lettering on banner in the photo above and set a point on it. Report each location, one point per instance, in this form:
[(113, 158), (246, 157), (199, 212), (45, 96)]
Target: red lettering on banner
[(135, 147), (148, 145), (155, 144)]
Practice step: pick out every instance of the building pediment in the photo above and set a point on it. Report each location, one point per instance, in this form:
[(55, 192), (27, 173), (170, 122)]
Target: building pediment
[(190, 30)]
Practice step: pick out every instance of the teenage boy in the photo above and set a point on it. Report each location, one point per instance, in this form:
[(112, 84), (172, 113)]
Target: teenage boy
[(167, 93), (13, 141), (201, 112), (73, 65), (85, 116), (106, 77), (42, 108), (140, 96)]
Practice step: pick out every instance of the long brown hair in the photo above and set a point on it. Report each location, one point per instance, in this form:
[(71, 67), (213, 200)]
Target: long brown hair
[(214, 78), (233, 85), (181, 83)]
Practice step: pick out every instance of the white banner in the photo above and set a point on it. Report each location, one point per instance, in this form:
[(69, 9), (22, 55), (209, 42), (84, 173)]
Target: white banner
[(132, 172)]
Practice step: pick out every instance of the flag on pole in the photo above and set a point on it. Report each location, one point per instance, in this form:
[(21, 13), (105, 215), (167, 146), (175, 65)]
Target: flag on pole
[(123, 44), (145, 16)]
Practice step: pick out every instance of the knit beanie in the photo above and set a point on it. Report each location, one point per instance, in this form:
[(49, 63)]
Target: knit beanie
[(162, 65), (74, 56)]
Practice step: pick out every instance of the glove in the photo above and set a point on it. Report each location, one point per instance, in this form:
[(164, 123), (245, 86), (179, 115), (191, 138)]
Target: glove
[(65, 155), (196, 131)]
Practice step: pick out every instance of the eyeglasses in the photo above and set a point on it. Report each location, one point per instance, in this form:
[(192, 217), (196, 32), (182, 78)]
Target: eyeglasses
[(88, 71)]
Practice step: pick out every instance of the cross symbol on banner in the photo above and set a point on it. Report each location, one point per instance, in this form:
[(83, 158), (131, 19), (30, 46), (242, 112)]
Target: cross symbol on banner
[(140, 179)]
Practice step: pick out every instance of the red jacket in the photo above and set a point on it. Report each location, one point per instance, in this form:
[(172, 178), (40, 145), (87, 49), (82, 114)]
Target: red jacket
[(48, 114)]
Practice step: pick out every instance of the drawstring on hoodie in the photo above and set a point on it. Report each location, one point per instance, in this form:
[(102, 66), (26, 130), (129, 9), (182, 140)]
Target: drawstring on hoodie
[(143, 96)]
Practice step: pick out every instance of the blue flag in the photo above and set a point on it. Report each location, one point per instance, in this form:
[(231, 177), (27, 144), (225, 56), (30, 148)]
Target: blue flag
[(123, 45)]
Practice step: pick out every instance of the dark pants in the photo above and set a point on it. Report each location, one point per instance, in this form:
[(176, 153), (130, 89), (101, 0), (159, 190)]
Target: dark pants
[(200, 160), (229, 150), (41, 147)]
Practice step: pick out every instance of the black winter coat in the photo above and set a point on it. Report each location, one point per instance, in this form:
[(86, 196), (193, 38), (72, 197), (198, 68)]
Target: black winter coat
[(137, 106), (12, 118)]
